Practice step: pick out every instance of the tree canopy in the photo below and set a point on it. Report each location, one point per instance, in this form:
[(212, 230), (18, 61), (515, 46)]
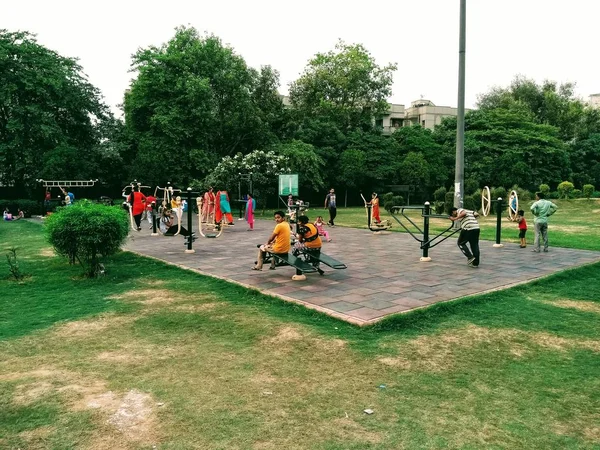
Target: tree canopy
[(344, 84), (195, 101), (50, 115)]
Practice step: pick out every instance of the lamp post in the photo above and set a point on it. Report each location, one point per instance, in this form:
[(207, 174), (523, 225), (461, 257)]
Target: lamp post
[(459, 174)]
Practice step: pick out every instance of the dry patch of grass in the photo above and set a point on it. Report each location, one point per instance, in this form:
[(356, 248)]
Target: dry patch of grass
[(83, 328), (192, 308), (347, 428), (28, 393), (133, 353), (580, 305), (129, 417), (284, 335), (583, 425), (571, 229), (47, 252), (158, 296), (36, 438), (440, 352)]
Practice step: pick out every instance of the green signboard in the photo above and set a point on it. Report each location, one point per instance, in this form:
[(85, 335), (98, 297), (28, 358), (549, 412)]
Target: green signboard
[(288, 184)]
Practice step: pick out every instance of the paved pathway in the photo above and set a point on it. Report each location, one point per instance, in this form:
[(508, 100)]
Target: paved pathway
[(384, 274)]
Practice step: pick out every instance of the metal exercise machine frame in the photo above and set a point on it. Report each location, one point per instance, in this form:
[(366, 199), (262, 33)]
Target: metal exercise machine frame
[(378, 228), (426, 242), (486, 201), (513, 205), (126, 194)]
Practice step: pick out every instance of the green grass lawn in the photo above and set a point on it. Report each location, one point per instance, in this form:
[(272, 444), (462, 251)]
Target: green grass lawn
[(152, 355), (575, 225)]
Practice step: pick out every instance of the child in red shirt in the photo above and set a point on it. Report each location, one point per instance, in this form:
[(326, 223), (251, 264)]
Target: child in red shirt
[(522, 227)]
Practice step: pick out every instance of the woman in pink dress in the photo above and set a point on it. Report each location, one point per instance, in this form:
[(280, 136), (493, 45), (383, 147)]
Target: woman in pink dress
[(250, 207)]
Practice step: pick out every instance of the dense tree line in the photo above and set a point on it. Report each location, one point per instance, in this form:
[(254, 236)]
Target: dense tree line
[(197, 114)]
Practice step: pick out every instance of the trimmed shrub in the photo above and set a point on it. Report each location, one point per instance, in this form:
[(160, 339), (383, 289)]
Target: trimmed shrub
[(448, 202), (471, 185), (394, 200), (439, 198), (499, 192), (588, 190), (545, 189), (469, 202), (576, 193), (565, 189), (87, 231)]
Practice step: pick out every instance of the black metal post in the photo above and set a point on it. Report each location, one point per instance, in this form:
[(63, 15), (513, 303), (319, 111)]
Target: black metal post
[(499, 208), (190, 237), (154, 231), (369, 206), (426, 213)]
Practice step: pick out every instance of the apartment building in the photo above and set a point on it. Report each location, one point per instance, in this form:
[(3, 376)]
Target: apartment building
[(421, 112)]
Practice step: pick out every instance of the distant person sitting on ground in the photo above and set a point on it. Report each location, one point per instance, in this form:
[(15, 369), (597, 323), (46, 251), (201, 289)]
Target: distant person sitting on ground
[(277, 243), (7, 215)]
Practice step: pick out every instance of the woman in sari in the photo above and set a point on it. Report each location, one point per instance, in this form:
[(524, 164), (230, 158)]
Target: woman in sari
[(250, 207), (223, 208)]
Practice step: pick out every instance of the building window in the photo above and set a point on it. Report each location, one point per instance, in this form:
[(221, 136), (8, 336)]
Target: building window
[(423, 123)]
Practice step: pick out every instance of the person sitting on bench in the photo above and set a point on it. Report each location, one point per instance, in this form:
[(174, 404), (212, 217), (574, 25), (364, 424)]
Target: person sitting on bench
[(278, 242), (308, 235)]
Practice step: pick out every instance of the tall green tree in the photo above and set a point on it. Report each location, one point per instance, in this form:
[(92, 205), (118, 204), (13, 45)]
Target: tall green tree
[(417, 140), (550, 103), (50, 115), (504, 147), (195, 101), (345, 84)]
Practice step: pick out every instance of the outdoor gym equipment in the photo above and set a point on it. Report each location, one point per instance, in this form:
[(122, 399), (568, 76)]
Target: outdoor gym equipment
[(241, 201), (513, 206), (171, 201), (425, 240), (59, 184), (207, 226), (486, 201), (127, 191), (372, 225)]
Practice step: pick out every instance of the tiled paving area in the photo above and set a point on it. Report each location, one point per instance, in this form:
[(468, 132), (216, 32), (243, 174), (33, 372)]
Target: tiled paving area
[(384, 274)]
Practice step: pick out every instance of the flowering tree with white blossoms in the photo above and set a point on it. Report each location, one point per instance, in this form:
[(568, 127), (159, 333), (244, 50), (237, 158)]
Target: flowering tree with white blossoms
[(265, 167)]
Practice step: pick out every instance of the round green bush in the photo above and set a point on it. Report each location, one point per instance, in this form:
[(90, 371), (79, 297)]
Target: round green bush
[(86, 231), (588, 190), (565, 189)]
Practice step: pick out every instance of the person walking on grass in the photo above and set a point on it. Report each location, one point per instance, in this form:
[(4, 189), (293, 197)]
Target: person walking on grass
[(469, 234), (330, 204), (541, 210)]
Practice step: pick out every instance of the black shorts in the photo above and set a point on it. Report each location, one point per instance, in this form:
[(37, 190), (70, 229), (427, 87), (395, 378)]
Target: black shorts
[(522, 233)]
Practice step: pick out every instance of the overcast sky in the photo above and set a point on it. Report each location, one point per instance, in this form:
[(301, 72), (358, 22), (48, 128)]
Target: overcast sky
[(540, 39)]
